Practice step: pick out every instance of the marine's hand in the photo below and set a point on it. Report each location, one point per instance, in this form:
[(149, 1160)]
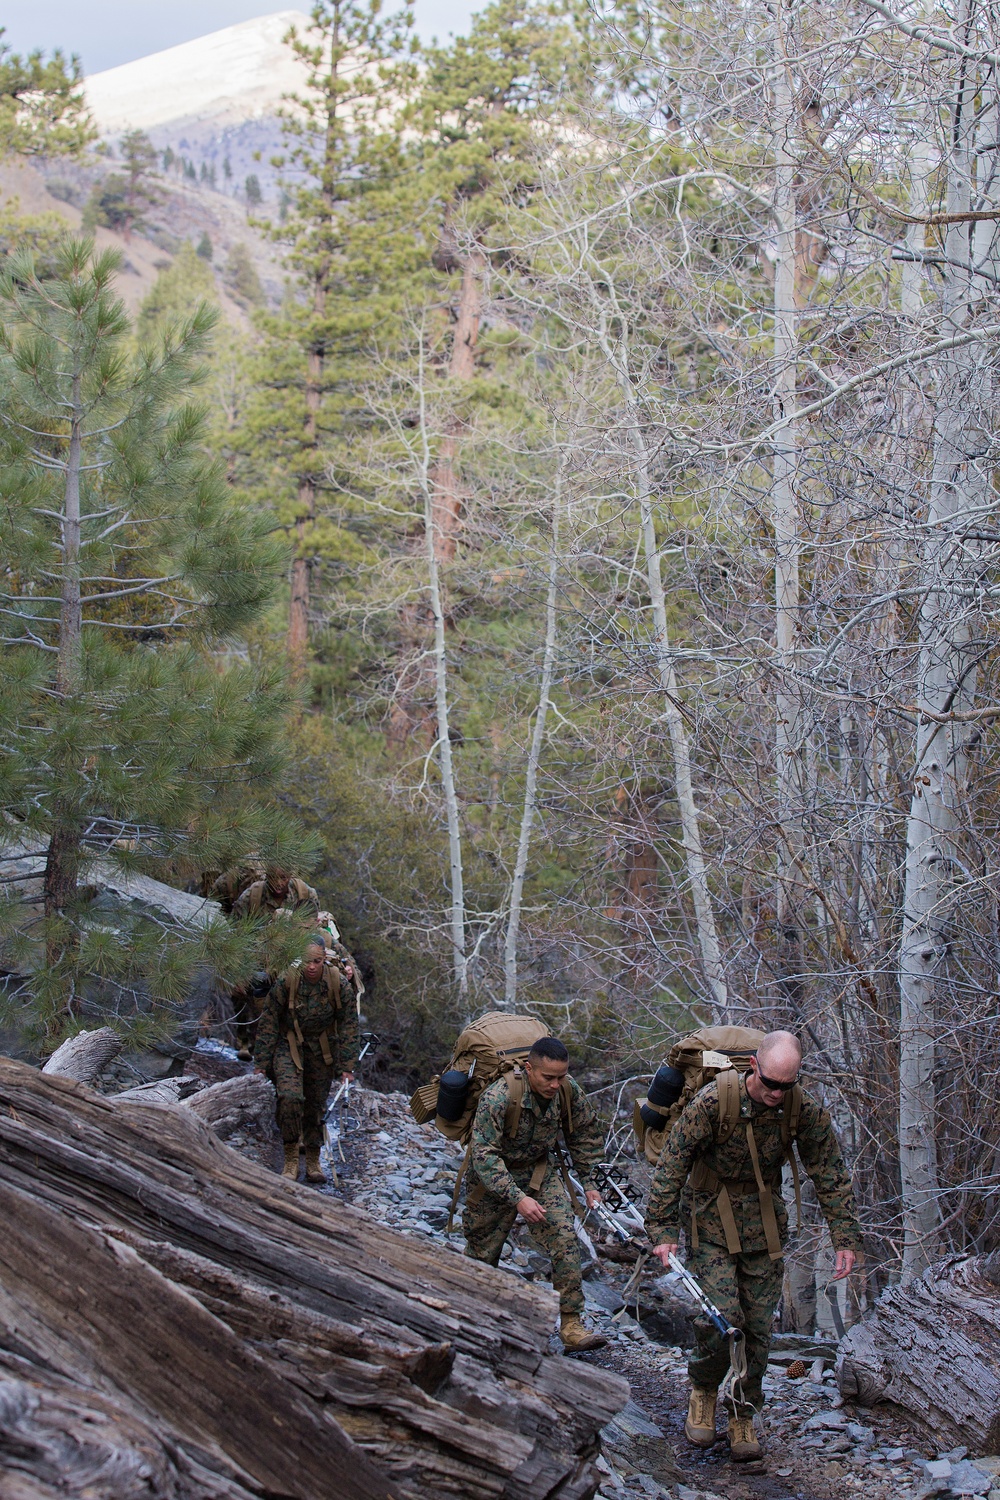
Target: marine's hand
[(593, 1197), (845, 1264), (347, 1077), (530, 1211), (663, 1254)]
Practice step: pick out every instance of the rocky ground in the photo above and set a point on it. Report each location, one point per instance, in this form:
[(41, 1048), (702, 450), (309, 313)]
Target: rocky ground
[(816, 1447)]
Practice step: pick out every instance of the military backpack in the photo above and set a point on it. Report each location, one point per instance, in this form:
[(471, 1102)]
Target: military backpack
[(494, 1046), (722, 1053)]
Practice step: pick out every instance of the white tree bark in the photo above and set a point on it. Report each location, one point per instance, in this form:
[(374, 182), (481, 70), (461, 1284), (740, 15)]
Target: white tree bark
[(697, 870), (616, 351), (534, 753), (790, 756), (959, 490), (443, 743), (84, 1057)]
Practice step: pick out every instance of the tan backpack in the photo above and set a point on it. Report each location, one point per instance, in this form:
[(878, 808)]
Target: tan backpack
[(700, 1057), (495, 1044), (721, 1052)]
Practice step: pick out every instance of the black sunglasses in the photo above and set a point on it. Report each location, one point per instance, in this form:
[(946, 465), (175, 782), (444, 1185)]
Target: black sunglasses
[(771, 1083)]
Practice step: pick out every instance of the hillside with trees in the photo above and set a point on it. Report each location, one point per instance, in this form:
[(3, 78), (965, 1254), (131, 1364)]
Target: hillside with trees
[(582, 563)]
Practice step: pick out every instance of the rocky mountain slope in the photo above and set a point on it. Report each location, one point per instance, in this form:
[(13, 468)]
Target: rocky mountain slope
[(212, 100)]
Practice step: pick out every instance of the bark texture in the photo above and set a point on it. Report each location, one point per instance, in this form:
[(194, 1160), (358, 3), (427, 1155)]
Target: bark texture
[(932, 1346), (84, 1057), (177, 1322)]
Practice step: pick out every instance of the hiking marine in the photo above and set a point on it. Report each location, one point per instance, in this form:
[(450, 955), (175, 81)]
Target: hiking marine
[(276, 893), (307, 1036), (514, 1172), (722, 1184)]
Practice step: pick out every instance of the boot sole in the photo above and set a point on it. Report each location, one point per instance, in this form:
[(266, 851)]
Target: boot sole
[(746, 1458), (597, 1342)]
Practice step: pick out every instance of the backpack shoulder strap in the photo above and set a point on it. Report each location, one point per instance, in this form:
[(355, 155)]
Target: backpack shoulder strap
[(566, 1107), (729, 1103), (301, 890), (255, 896), (515, 1101), (333, 990), (292, 985), (790, 1116)]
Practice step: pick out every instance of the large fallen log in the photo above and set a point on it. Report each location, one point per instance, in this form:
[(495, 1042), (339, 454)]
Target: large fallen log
[(201, 1327), (932, 1346)]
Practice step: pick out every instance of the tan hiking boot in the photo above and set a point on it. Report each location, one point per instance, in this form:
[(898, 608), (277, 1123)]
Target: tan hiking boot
[(314, 1171), (699, 1428), (291, 1167), (575, 1335), (743, 1441)]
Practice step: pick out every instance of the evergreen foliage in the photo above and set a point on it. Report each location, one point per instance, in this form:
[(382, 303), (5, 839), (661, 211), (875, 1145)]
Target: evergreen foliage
[(136, 725), (42, 107)]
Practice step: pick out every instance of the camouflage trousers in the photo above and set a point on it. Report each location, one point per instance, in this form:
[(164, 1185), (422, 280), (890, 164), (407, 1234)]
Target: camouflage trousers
[(301, 1096), (486, 1223), (745, 1289)]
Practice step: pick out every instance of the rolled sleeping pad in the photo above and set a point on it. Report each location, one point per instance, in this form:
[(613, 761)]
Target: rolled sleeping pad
[(453, 1091), (665, 1090), (666, 1087)]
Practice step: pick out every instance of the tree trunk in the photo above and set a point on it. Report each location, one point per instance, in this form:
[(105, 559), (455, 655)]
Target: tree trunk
[(297, 640), (697, 872), (932, 1346), (789, 719), (534, 753), (62, 863), (240, 1334), (446, 501), (85, 1056), (946, 680)]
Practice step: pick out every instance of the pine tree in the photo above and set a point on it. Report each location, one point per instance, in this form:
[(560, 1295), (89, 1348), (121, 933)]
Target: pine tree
[(42, 107), (129, 573), (336, 148)]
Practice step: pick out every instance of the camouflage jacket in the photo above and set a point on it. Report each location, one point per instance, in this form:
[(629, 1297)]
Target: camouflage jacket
[(504, 1164), (315, 1015), (694, 1136), (259, 899)]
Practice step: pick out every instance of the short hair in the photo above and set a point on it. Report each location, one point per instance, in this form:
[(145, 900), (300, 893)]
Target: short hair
[(551, 1048), (315, 940)]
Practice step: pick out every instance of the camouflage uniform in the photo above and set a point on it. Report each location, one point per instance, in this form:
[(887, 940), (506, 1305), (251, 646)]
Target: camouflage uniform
[(258, 899), (500, 1171), (744, 1287), (302, 1093)]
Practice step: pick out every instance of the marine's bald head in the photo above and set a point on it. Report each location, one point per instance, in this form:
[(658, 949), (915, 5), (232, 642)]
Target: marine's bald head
[(780, 1055)]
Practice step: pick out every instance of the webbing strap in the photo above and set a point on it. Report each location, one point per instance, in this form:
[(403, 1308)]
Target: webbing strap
[(538, 1175), (458, 1187), (515, 1102), (767, 1214)]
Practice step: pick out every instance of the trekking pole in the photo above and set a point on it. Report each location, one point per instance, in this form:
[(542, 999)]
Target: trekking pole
[(737, 1342), (331, 1125)]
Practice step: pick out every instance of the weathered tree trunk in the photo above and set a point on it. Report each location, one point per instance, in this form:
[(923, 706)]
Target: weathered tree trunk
[(243, 1334), (932, 1346), (85, 1056), (534, 753), (789, 716), (949, 650)]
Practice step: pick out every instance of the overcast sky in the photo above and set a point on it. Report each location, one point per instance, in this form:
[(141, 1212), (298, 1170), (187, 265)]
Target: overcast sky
[(108, 32)]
